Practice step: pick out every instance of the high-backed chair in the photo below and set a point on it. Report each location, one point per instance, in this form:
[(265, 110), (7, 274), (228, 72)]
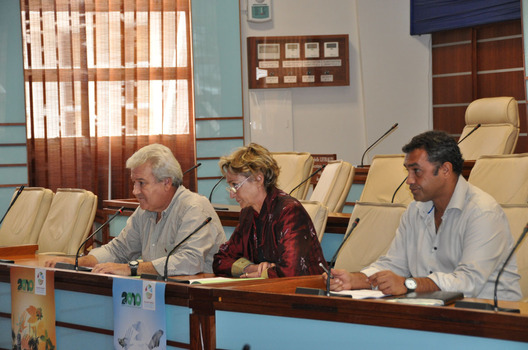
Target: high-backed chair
[(384, 178), (518, 218), (499, 130), (319, 215), (69, 221), (505, 177), (294, 168), (333, 185), (372, 236), (24, 220)]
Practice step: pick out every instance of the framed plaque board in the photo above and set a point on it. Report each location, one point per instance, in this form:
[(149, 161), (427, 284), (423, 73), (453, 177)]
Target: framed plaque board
[(298, 61)]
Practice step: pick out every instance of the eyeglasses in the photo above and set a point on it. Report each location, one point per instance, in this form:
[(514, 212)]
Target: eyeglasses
[(234, 189)]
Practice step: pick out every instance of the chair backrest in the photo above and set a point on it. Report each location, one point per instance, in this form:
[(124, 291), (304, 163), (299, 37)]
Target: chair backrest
[(505, 177), (385, 175), (499, 130), (294, 168), (24, 220), (333, 185), (517, 215), (319, 215), (69, 221), (372, 236)]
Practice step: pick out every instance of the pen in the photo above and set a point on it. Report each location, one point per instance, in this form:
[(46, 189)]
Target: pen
[(325, 270)]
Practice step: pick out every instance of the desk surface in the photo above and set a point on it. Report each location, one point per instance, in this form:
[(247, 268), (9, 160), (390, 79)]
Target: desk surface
[(277, 298)]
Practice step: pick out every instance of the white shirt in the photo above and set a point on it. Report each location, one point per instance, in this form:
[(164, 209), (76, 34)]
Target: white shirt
[(143, 237), (465, 255)]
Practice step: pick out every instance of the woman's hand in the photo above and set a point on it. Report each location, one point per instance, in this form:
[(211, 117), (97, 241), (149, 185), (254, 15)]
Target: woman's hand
[(256, 270)]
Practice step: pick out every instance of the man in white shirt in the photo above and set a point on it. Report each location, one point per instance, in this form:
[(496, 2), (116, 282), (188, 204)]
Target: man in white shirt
[(452, 237), (167, 213)]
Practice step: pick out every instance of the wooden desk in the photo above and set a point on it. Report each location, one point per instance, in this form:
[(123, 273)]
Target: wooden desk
[(268, 314), (300, 321)]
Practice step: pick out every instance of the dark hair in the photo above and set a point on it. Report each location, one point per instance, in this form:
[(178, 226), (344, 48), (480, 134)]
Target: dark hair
[(440, 148)]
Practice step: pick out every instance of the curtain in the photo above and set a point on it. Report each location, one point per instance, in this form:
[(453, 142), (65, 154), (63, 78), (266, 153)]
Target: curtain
[(429, 16), (102, 79)]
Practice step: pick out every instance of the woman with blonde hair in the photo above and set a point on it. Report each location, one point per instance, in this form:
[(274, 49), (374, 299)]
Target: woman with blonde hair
[(275, 236)]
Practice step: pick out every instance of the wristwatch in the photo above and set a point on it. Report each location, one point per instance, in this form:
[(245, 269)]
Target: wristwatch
[(410, 284), (133, 267)]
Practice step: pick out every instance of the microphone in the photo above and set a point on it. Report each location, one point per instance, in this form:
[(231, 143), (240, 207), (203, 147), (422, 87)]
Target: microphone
[(458, 143), (76, 267), (308, 178), (331, 264), (214, 187), (20, 189), (191, 168), (495, 306), (206, 221), (376, 142), (469, 133)]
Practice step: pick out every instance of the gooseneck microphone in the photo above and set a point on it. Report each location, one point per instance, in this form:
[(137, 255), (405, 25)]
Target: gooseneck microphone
[(495, 301), (308, 178), (469, 133), (495, 306), (458, 143), (376, 142), (76, 266), (20, 189), (331, 264), (205, 222), (214, 187), (191, 168)]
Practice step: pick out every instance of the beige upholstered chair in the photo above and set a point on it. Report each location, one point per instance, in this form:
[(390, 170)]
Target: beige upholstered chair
[(518, 218), (319, 215), (333, 185), (294, 168), (499, 130), (24, 220), (385, 175), (372, 236), (505, 177), (69, 221)]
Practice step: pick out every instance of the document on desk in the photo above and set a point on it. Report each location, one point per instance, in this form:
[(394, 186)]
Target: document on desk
[(361, 294), (212, 280)]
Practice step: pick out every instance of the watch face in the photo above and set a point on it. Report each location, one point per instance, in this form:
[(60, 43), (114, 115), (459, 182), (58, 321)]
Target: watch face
[(133, 263), (410, 283)]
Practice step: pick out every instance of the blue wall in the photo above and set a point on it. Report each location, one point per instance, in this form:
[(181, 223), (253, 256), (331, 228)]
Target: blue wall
[(12, 137)]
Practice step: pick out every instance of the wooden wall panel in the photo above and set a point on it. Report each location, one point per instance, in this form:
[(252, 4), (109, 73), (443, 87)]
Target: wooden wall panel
[(504, 84), (478, 62), (452, 89)]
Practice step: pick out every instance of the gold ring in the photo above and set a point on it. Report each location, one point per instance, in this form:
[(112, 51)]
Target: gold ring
[(246, 274)]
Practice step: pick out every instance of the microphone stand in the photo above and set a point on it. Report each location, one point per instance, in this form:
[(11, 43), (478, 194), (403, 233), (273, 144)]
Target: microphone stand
[(76, 266), (331, 264), (376, 142), (20, 189), (495, 306), (212, 191), (165, 271), (308, 178), (191, 168), (471, 132), (61, 265)]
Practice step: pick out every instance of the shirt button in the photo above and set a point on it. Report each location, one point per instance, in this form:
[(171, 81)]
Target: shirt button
[(435, 248), (430, 272)]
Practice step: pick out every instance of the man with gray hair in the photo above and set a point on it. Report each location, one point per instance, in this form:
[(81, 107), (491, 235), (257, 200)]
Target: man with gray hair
[(167, 213)]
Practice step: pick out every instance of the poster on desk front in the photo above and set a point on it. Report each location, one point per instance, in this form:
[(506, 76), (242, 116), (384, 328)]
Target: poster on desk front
[(32, 308), (139, 314)]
